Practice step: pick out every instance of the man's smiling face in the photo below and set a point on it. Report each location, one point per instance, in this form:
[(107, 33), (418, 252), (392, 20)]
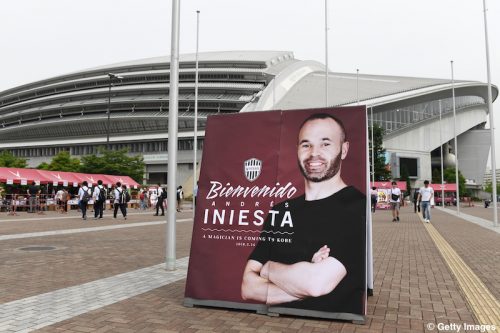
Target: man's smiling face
[(320, 149)]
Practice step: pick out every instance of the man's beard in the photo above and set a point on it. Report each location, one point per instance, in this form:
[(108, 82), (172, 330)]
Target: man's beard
[(333, 168)]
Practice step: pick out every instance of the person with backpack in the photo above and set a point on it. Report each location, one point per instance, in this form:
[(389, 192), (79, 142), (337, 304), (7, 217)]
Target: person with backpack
[(84, 197), (99, 196), (120, 200), (162, 195), (180, 196), (125, 200)]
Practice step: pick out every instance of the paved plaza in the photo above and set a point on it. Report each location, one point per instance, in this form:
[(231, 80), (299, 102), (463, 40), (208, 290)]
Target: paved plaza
[(59, 273)]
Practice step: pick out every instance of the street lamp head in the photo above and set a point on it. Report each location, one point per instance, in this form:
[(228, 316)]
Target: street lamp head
[(115, 76)]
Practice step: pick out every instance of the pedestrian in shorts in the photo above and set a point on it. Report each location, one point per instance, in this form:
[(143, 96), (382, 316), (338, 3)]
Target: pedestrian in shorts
[(395, 198)]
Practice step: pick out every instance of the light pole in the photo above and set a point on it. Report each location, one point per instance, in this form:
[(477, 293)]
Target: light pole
[(111, 77), (173, 127), (455, 134), (492, 122), (357, 86), (326, 53), (195, 130), (441, 142), (373, 148)]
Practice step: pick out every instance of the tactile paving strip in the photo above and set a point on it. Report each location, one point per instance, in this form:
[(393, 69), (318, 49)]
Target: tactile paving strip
[(483, 304)]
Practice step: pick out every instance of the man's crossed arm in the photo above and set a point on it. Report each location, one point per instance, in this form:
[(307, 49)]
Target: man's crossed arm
[(275, 283)]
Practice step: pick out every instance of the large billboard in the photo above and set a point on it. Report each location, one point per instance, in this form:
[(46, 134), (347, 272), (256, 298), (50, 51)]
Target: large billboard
[(280, 222)]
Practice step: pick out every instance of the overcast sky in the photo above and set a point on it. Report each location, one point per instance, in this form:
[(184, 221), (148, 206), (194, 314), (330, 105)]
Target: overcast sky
[(44, 38)]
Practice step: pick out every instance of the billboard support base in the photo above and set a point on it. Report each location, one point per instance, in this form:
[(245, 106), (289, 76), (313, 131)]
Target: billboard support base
[(354, 318), (258, 308), (275, 311)]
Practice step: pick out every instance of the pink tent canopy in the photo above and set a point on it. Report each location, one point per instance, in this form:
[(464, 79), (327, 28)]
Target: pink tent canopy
[(446, 187), (125, 180), (61, 178), (27, 176), (387, 185), (92, 179), (22, 176)]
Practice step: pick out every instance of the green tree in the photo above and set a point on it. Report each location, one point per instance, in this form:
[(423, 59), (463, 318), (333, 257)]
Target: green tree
[(489, 187), (382, 171), (449, 177), (405, 175), (43, 166), (8, 160), (62, 162), (436, 176), (114, 162)]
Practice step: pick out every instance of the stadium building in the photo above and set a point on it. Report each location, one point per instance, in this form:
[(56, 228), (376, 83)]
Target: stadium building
[(70, 112)]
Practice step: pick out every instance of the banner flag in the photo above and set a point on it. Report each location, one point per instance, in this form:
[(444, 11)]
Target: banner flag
[(280, 222)]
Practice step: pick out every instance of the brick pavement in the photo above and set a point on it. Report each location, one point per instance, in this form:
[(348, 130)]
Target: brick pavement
[(477, 246), (413, 285), (81, 258), (54, 221)]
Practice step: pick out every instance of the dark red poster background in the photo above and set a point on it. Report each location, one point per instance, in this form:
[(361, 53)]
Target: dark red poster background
[(218, 256)]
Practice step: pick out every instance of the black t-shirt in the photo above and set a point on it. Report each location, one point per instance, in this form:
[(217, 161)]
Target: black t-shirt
[(338, 221), (33, 190)]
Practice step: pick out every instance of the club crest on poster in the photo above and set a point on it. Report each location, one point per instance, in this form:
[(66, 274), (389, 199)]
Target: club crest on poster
[(252, 169)]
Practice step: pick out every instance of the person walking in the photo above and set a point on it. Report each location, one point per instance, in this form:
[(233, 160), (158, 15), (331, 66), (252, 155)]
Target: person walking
[(84, 196), (99, 196), (180, 196), (195, 193), (374, 198), (142, 200), (395, 198), (119, 201), (160, 196), (125, 200), (416, 204), (426, 196), (59, 197), (33, 191), (65, 197)]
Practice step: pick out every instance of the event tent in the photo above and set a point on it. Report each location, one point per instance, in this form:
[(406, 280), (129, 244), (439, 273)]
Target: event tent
[(446, 187), (387, 185), (22, 176), (27, 176)]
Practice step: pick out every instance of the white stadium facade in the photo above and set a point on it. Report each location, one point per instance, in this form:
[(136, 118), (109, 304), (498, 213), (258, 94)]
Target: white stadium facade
[(70, 112)]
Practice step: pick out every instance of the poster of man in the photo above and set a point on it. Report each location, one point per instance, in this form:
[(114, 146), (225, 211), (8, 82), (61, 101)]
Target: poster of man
[(285, 230)]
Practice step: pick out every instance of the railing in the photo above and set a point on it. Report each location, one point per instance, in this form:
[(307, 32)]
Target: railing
[(12, 204)]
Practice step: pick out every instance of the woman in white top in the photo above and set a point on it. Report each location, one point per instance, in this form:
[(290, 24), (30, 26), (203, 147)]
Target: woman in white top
[(153, 198), (59, 201)]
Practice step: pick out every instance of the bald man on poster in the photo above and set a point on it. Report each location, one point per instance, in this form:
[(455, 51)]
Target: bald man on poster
[(322, 265)]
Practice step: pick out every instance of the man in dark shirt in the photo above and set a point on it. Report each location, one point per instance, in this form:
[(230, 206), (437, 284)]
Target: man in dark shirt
[(33, 191), (160, 196), (321, 266)]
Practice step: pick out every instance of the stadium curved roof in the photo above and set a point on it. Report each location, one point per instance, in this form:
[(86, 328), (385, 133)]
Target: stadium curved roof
[(75, 105)]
